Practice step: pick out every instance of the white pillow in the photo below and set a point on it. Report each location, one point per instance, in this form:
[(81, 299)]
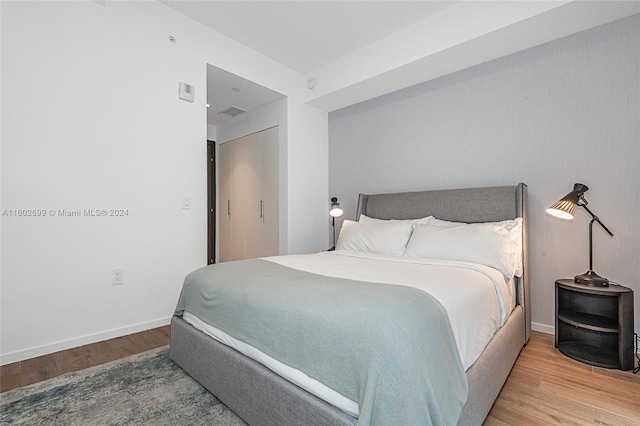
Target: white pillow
[(519, 268), (445, 223), (374, 237), (494, 244), (368, 219)]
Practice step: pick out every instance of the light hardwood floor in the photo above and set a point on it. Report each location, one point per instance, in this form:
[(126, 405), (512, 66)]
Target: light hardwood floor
[(547, 388), (48, 366), (544, 388)]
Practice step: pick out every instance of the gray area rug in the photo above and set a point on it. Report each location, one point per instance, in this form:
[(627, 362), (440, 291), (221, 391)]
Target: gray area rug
[(143, 389)]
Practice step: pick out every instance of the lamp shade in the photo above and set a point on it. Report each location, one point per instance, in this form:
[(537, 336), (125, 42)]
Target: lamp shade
[(336, 210), (564, 208)]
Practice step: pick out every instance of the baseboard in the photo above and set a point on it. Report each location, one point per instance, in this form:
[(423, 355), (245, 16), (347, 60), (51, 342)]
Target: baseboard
[(543, 328), (80, 341)]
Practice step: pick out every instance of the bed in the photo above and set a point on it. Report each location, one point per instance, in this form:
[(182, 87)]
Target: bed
[(261, 396)]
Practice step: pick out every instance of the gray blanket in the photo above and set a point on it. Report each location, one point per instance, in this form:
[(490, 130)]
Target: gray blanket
[(388, 347)]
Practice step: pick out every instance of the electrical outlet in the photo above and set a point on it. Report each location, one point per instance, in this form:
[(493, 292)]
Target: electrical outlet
[(117, 276)]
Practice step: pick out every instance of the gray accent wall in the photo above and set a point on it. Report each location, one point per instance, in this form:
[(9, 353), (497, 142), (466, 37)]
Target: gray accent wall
[(564, 112)]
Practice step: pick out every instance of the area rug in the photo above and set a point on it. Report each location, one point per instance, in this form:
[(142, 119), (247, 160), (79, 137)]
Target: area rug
[(143, 389)]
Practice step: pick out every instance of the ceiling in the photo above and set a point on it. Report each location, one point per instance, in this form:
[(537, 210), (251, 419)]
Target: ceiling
[(301, 35), (305, 35), (225, 90), (362, 49)]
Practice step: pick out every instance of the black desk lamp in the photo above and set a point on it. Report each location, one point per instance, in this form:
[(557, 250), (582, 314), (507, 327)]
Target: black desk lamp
[(563, 209), (334, 211)]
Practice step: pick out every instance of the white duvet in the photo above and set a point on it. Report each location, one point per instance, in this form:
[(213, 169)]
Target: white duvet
[(476, 298)]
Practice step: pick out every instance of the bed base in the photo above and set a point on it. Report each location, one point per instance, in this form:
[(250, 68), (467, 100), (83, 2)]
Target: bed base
[(261, 397), (251, 390)]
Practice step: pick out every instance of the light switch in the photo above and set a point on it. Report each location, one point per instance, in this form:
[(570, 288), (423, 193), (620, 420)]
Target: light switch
[(186, 201)]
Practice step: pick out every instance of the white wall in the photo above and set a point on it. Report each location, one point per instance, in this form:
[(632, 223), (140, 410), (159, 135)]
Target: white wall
[(92, 120), (211, 133), (564, 112), (308, 198)]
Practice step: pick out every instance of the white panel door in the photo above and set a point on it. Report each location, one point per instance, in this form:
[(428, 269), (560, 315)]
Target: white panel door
[(249, 197), (269, 189), (250, 194), (225, 167)]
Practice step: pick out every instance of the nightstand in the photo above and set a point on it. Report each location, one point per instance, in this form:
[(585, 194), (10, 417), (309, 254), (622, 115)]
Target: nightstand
[(595, 324)]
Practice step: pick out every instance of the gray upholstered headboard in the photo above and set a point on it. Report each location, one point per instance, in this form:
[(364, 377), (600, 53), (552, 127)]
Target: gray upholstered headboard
[(489, 204)]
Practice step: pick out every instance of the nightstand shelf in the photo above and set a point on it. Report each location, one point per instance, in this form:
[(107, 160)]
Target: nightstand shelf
[(589, 321), (595, 324), (593, 355)]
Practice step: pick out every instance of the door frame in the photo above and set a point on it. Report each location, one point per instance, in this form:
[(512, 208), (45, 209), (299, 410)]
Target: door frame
[(211, 202)]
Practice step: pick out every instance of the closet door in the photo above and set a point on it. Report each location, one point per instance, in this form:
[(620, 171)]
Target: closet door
[(249, 197), (225, 167), (269, 193), (248, 190)]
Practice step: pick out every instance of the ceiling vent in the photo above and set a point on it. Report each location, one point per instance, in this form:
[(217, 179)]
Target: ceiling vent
[(231, 111)]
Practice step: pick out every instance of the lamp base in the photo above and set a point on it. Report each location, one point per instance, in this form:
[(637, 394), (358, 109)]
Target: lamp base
[(592, 279)]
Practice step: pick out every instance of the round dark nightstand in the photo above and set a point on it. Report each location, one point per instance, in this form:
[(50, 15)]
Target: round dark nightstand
[(595, 324)]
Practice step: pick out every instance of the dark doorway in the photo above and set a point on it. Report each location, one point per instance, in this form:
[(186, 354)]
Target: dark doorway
[(211, 202)]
